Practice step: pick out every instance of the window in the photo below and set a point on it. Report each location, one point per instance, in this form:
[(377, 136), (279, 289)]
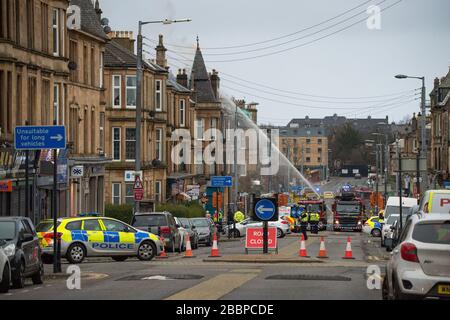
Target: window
[(91, 225), (158, 95), (112, 225), (44, 26), (45, 114), (102, 132), (31, 100), (116, 193), (213, 127), (56, 102), (308, 141), (200, 125), (75, 225), (308, 150), (129, 193), (73, 56), (74, 127), (182, 113), (93, 71), (55, 31), (93, 131), (102, 54), (158, 191), (319, 159), (117, 91), (319, 150), (308, 159), (85, 65), (131, 92), (116, 144), (19, 115), (130, 144), (30, 23), (158, 149), (319, 141)]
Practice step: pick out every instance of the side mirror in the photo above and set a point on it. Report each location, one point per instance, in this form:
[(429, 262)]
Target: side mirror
[(27, 237)]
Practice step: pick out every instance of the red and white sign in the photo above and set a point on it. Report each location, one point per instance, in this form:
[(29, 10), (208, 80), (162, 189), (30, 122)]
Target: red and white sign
[(254, 238), (138, 189), (6, 186)]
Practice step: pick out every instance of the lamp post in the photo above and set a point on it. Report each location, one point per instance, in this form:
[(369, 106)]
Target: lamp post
[(139, 75), (386, 159), (422, 152)]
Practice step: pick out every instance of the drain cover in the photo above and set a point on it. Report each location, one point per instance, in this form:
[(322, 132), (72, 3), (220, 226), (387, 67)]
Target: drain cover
[(161, 277), (307, 277)]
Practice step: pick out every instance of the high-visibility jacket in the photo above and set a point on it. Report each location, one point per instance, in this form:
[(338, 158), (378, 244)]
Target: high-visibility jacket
[(315, 217), (304, 217)]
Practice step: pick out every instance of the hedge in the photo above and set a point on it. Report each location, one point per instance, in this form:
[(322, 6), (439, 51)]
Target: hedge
[(124, 212)]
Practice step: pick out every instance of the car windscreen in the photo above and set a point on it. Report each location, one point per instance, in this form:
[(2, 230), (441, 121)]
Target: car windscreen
[(200, 222), (392, 218), (435, 232), (7, 230), (184, 223), (396, 210), (45, 226), (314, 207), (348, 208), (153, 220)]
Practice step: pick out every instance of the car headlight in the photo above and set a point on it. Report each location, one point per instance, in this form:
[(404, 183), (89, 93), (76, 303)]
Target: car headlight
[(359, 222), (336, 222), (10, 250)]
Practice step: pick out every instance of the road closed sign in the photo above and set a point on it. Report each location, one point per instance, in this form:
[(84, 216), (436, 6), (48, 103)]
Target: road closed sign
[(254, 238)]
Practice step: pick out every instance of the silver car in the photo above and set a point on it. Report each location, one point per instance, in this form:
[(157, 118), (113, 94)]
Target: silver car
[(282, 226), (420, 261), (5, 272)]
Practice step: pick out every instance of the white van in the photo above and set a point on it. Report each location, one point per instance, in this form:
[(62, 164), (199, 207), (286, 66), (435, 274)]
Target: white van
[(393, 208)]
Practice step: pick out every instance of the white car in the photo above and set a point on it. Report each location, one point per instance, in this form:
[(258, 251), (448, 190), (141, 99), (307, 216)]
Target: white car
[(5, 272), (282, 226), (420, 261), (387, 232)]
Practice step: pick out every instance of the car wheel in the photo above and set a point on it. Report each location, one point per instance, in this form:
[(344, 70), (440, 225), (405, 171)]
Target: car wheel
[(119, 258), (19, 280), (376, 233), (38, 277), (6, 279), (76, 253), (146, 251), (279, 233)]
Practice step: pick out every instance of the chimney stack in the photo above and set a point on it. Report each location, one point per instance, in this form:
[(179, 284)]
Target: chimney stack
[(182, 78), (161, 53), (98, 11), (123, 38), (215, 82)]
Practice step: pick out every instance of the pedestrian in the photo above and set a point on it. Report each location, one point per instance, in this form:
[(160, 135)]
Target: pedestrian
[(304, 219)]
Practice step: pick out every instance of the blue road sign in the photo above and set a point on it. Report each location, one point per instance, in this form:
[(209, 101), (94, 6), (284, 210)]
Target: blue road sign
[(265, 209), (40, 137), (221, 181)]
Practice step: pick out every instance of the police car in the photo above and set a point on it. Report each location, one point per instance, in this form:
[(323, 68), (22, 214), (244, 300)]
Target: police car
[(373, 226), (83, 237)]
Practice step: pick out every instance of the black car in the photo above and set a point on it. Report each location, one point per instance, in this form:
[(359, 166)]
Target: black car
[(20, 243), (192, 231), (162, 224)]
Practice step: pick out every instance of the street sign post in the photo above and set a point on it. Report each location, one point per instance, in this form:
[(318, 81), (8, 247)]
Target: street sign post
[(40, 137), (138, 189), (221, 181), (266, 210), (254, 239)]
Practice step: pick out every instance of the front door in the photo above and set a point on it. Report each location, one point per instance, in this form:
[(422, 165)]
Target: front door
[(97, 244), (121, 238)]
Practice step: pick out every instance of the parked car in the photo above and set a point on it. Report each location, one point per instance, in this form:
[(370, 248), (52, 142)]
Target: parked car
[(420, 262), (357, 176), (328, 195), (283, 227), (83, 237), (205, 228), (20, 243), (5, 270), (160, 223), (188, 226), (390, 222)]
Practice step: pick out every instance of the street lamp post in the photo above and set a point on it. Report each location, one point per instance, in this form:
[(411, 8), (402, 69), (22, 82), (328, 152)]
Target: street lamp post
[(422, 152), (139, 75)]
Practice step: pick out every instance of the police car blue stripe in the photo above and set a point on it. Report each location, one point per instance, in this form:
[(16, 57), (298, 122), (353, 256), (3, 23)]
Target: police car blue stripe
[(79, 235), (112, 236), (139, 236)]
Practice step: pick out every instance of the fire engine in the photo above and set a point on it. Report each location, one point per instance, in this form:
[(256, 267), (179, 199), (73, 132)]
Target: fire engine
[(348, 212), (313, 203)]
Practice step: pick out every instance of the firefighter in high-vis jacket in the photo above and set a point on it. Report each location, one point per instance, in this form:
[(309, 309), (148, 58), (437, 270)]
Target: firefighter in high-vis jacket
[(314, 219), (304, 219)]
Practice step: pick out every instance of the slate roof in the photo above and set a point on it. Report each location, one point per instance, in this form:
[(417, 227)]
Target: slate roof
[(89, 19), (298, 132), (120, 57), (172, 82), (201, 80)]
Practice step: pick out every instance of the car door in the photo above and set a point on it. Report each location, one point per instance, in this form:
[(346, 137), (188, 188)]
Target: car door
[(175, 232), (96, 243), (120, 237), (33, 245), (26, 246)]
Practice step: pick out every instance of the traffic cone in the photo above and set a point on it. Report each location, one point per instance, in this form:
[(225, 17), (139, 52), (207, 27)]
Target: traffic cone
[(302, 252), (348, 250), (163, 254), (188, 253), (215, 247), (322, 250)]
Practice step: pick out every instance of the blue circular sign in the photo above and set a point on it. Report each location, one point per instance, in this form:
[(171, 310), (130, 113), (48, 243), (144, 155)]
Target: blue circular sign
[(265, 209)]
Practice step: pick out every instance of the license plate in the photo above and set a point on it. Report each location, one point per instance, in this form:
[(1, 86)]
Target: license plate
[(444, 289)]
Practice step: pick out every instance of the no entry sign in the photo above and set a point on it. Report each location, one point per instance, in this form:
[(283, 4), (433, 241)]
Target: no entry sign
[(254, 238)]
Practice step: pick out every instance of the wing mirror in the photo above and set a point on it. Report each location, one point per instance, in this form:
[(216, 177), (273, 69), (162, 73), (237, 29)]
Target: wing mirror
[(27, 237)]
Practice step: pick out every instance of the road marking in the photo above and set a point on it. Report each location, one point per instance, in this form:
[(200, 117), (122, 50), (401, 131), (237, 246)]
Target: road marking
[(37, 288), (215, 288)]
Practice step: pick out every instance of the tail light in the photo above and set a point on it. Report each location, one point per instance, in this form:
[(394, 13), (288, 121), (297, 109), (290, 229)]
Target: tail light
[(409, 252), (50, 235), (164, 230), (284, 222)]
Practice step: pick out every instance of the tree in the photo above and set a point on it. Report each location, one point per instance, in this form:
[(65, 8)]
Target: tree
[(347, 144)]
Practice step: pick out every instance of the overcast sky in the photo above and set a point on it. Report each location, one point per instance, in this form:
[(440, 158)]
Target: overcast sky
[(353, 63)]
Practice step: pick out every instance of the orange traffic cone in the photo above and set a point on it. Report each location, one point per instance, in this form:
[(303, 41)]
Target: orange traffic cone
[(215, 247), (302, 252), (188, 253), (348, 250), (322, 250), (163, 254)]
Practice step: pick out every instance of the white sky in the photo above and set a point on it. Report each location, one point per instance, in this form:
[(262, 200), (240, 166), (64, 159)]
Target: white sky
[(357, 62)]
